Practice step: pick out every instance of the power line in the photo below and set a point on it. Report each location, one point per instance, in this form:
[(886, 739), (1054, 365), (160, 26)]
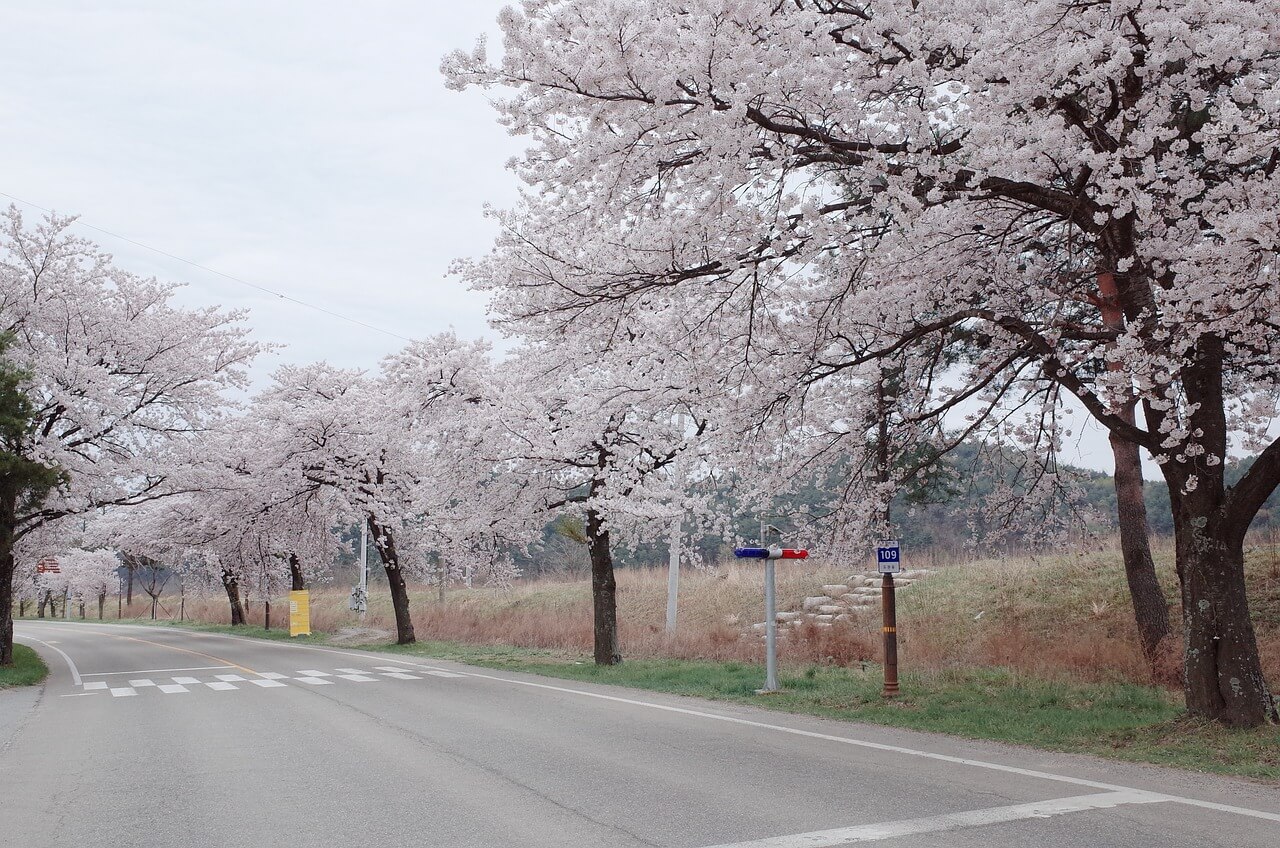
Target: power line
[(232, 277)]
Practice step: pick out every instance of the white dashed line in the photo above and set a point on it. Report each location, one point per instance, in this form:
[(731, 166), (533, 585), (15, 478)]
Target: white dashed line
[(95, 684), (123, 692), (141, 684), (314, 681), (221, 685), (172, 688), (268, 683)]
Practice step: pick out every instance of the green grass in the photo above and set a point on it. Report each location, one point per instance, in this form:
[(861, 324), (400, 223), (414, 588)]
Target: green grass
[(27, 669)]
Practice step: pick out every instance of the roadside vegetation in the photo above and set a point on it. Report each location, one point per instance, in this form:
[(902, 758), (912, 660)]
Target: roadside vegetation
[(27, 669)]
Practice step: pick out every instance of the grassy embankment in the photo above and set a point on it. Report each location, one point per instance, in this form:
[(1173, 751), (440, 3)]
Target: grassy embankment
[(1036, 651), (27, 669)]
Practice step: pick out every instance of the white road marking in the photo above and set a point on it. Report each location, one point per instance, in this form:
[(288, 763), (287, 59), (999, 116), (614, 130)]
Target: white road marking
[(141, 684), (267, 683), (400, 675), (76, 694), (221, 685), (777, 728), (952, 821), (95, 684), (444, 673), (358, 678), (155, 670), (388, 668), (272, 675), (75, 672), (314, 681), (123, 692), (311, 672), (230, 678), (172, 688), (352, 670), (186, 680)]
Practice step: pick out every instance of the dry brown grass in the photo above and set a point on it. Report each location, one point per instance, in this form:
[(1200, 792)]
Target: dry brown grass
[(1058, 616)]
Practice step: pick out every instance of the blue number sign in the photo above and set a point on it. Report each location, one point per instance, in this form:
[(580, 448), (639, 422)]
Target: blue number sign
[(888, 556)]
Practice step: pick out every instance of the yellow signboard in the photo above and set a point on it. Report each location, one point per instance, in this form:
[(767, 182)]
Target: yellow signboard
[(300, 613)]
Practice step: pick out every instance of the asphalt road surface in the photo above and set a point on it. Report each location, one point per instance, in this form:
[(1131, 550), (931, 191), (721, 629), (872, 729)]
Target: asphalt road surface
[(155, 737)]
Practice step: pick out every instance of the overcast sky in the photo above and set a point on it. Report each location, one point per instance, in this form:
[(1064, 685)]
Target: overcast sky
[(308, 147)]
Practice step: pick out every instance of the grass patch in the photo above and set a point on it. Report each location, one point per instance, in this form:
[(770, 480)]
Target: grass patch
[(27, 669)]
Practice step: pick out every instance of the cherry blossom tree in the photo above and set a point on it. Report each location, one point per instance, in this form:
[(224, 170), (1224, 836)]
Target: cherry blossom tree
[(86, 575), (384, 444), (980, 191), (591, 435), (120, 381)]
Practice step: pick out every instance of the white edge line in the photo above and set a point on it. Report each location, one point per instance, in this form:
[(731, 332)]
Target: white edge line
[(950, 821), (75, 672), (878, 746)]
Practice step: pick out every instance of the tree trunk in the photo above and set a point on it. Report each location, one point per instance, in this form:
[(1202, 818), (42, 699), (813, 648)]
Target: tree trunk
[(604, 592), (102, 604), (8, 512), (386, 545), (1150, 610), (296, 581), (128, 595), (44, 601), (1223, 670), (266, 616), (233, 596)]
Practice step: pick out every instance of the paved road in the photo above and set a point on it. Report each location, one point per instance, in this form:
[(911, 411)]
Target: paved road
[(154, 737)]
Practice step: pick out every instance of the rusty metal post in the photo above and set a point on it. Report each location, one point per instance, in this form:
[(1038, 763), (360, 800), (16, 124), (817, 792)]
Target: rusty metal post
[(889, 609)]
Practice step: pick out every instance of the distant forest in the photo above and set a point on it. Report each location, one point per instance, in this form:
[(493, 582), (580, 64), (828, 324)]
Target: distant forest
[(948, 515)]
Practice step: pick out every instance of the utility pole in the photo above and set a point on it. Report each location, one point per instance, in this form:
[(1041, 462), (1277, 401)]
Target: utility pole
[(673, 546), (673, 577), (364, 566)]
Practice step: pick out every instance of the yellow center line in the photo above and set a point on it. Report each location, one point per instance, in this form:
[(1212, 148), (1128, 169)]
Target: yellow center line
[(183, 650)]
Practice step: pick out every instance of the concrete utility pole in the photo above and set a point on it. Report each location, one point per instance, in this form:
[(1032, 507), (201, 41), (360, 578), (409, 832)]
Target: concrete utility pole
[(673, 557), (673, 577), (364, 566)]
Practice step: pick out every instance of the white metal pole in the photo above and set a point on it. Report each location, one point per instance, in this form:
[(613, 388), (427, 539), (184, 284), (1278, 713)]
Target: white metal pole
[(770, 621)]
